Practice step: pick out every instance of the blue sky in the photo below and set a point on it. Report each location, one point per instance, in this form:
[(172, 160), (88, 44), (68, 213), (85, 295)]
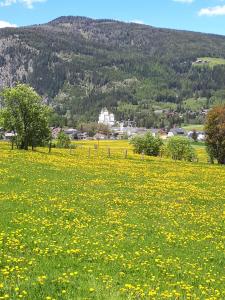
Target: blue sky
[(196, 15)]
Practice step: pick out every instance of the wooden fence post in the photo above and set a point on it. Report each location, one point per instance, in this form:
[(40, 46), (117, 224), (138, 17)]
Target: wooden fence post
[(125, 153), (50, 147), (89, 152), (142, 155), (109, 153)]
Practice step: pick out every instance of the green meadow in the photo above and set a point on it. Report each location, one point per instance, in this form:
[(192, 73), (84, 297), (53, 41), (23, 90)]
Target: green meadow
[(83, 224)]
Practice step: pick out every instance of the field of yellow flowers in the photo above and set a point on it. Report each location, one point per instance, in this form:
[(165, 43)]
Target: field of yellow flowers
[(78, 224)]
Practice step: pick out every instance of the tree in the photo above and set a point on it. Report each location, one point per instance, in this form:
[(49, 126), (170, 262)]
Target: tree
[(215, 134), (147, 144), (180, 148), (92, 128), (24, 114)]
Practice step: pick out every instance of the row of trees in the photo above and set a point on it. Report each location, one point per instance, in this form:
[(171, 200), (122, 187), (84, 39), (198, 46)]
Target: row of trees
[(24, 114), (177, 148), (180, 148)]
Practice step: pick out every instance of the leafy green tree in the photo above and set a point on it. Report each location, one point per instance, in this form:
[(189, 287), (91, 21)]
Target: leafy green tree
[(147, 144), (24, 114), (215, 134), (63, 140), (180, 148), (92, 128)]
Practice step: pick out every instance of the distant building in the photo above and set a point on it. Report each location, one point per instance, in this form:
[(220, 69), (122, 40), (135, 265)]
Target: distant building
[(100, 136), (106, 118), (82, 136), (200, 62), (200, 135), (71, 132), (9, 135), (177, 131)]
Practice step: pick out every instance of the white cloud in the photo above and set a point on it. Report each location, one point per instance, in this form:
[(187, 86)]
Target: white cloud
[(137, 21), (27, 3), (8, 2), (4, 24), (184, 1), (212, 11)]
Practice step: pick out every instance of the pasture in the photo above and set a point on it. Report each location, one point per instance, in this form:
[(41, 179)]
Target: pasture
[(80, 226)]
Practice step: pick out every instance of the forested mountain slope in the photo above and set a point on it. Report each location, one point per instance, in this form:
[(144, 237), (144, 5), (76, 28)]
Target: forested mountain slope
[(80, 65)]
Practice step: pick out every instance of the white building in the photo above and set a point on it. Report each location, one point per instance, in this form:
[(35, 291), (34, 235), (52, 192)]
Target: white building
[(106, 118), (9, 136)]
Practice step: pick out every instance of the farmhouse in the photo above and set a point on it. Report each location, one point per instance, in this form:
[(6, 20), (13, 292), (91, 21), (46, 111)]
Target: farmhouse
[(177, 131), (200, 62), (9, 136), (100, 136), (200, 135)]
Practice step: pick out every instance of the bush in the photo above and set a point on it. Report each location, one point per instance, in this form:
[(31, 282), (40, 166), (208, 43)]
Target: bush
[(180, 148), (63, 140), (147, 144)]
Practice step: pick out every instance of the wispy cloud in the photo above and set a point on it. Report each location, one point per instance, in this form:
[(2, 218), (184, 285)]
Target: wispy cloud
[(184, 1), (4, 24), (218, 10), (27, 3)]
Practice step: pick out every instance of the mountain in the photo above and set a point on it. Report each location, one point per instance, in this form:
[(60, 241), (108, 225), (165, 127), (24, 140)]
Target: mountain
[(81, 65)]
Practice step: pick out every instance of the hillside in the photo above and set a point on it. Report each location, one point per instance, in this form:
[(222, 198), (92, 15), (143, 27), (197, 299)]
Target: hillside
[(80, 65)]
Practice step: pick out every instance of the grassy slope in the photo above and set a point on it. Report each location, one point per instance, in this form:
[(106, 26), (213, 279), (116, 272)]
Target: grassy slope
[(195, 104), (193, 126), (213, 61), (99, 228)]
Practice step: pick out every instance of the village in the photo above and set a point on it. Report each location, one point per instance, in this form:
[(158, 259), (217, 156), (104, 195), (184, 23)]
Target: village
[(116, 130)]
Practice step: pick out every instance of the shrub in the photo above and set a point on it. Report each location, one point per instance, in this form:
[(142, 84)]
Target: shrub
[(180, 148), (63, 140), (147, 144)]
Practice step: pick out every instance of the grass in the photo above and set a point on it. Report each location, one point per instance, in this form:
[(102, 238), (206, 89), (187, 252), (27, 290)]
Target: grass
[(198, 127), (74, 227), (195, 104), (212, 61)]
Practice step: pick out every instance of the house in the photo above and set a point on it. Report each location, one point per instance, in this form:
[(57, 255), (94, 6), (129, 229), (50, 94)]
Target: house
[(200, 62), (201, 136), (140, 130), (100, 136), (82, 135), (176, 131), (9, 135), (71, 132)]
